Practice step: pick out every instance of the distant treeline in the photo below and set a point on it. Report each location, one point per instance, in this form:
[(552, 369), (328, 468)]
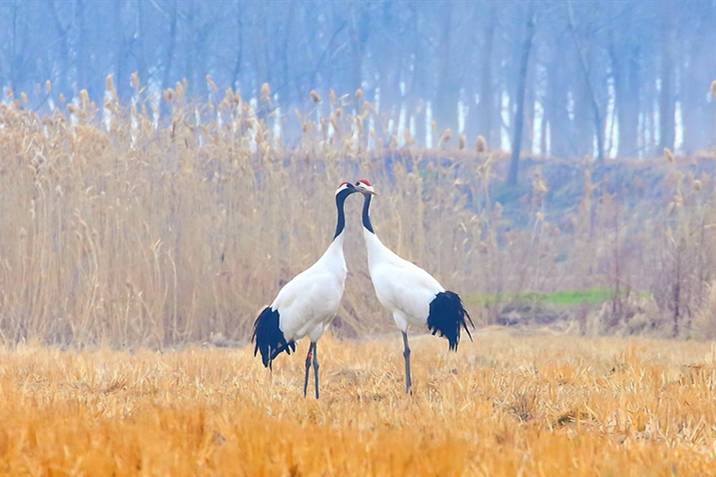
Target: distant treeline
[(625, 78)]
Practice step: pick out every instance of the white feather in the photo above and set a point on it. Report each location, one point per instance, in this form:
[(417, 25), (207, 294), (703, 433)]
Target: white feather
[(309, 302), (401, 286)]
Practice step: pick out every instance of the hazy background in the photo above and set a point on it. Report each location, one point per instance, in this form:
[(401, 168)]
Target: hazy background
[(168, 165), (608, 78)]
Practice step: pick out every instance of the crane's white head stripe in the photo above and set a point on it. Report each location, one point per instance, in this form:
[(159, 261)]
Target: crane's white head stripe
[(342, 187), (365, 185)]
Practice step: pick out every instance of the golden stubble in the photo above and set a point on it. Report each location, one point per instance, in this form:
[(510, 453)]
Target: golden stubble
[(509, 404)]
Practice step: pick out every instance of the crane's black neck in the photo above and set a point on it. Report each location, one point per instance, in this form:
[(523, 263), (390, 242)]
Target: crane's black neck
[(341, 221), (366, 213)]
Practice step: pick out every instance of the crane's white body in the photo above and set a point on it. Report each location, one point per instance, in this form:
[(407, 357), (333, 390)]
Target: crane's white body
[(412, 295), (405, 289), (309, 302)]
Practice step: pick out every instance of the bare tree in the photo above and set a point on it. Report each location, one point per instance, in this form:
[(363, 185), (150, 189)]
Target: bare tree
[(584, 67), (666, 93), (487, 99), (520, 95)]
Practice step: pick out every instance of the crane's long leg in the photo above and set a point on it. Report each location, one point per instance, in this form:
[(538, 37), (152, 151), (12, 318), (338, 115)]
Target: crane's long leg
[(315, 366), (406, 355), (309, 355)]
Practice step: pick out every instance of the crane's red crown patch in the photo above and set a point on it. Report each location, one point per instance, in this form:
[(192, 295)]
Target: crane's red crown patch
[(366, 182)]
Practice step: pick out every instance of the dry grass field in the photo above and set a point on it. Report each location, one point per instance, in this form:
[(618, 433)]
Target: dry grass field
[(509, 404)]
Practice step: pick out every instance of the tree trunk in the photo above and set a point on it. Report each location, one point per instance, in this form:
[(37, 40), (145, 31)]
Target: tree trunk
[(543, 131), (625, 68), (169, 57), (447, 94), (632, 103), (13, 76), (239, 48), (582, 131), (356, 31), (141, 66), (286, 75), (529, 127), (81, 47), (120, 58), (556, 105), (592, 98), (190, 55), (486, 106), (420, 85), (695, 117), (520, 97), (666, 93)]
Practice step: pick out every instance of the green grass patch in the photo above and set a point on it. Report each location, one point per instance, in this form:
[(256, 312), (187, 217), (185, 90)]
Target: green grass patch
[(592, 296), (558, 298)]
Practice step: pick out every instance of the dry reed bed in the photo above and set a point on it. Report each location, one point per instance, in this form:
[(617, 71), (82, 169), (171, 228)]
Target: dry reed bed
[(509, 405), (125, 231), (119, 229)]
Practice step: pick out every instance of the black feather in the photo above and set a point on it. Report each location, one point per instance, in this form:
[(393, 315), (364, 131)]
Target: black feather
[(447, 316), (269, 338)]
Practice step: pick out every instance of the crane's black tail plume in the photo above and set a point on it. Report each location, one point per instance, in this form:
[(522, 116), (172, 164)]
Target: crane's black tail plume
[(447, 315), (269, 338)]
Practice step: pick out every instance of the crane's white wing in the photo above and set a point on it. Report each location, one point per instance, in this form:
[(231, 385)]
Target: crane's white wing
[(308, 302), (404, 287)]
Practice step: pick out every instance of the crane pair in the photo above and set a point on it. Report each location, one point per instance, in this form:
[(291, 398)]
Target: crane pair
[(308, 303)]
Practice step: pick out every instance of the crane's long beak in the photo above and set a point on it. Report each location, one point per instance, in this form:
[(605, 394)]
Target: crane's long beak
[(363, 190)]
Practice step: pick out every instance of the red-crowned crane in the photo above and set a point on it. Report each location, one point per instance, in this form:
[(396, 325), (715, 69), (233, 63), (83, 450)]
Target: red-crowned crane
[(307, 304), (410, 293)]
